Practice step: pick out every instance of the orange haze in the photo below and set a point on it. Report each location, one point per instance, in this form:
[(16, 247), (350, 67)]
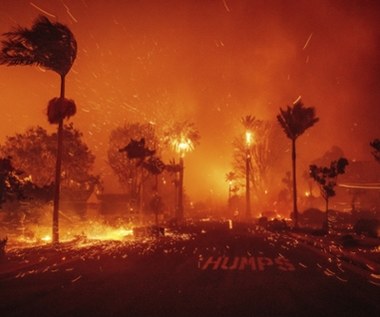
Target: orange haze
[(212, 62)]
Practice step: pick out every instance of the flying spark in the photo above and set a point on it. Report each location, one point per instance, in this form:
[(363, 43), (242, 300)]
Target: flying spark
[(308, 41), (226, 6), (69, 13), (43, 11)]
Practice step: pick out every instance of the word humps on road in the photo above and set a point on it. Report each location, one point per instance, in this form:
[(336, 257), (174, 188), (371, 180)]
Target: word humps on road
[(243, 263)]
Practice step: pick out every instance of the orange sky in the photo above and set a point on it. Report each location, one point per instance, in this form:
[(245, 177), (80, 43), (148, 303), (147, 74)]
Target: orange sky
[(212, 62)]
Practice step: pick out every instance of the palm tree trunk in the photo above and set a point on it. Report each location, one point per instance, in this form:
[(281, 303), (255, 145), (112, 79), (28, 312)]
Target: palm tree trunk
[(229, 196), (175, 196), (295, 209), (247, 187), (180, 191), (57, 183)]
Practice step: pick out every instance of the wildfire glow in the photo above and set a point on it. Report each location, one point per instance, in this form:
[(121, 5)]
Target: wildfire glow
[(82, 232), (248, 138), (46, 238), (182, 145), (111, 234)]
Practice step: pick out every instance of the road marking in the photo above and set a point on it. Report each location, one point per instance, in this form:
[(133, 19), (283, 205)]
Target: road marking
[(242, 263)]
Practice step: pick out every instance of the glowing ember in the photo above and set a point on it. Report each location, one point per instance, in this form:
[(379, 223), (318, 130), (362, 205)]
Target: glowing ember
[(35, 235), (248, 138), (107, 233), (182, 145), (46, 238)]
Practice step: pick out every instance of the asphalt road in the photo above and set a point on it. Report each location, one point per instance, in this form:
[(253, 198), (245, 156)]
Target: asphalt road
[(208, 271)]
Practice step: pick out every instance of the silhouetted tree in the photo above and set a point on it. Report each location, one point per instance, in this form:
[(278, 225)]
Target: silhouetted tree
[(334, 153), (52, 46), (326, 177), (173, 167), (11, 182), (137, 150), (34, 152), (295, 121), (155, 167), (375, 144), (125, 165)]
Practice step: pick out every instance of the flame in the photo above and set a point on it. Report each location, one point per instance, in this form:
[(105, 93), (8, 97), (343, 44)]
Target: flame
[(46, 238), (91, 231), (248, 138), (108, 233), (182, 145)]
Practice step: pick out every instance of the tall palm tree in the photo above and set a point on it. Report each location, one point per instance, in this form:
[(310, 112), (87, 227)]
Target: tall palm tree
[(295, 121), (174, 169), (182, 138), (52, 46), (249, 123)]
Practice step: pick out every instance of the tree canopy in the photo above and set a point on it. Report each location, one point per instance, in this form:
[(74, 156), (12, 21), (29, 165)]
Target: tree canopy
[(11, 182), (297, 119), (34, 152), (124, 167), (326, 176), (182, 136)]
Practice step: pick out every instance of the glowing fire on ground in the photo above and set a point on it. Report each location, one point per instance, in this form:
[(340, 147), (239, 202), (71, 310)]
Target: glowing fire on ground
[(90, 231)]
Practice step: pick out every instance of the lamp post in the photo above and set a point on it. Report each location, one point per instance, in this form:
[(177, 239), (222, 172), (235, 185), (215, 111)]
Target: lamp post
[(248, 143)]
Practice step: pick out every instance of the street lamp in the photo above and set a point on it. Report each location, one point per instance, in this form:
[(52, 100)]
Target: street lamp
[(248, 143)]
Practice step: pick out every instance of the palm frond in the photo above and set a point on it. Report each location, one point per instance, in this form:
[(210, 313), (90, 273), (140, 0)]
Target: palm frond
[(47, 44), (248, 122), (297, 119)]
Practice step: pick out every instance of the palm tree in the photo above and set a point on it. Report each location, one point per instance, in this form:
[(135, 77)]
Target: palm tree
[(295, 121), (52, 46), (175, 169), (249, 123), (136, 150), (182, 137)]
